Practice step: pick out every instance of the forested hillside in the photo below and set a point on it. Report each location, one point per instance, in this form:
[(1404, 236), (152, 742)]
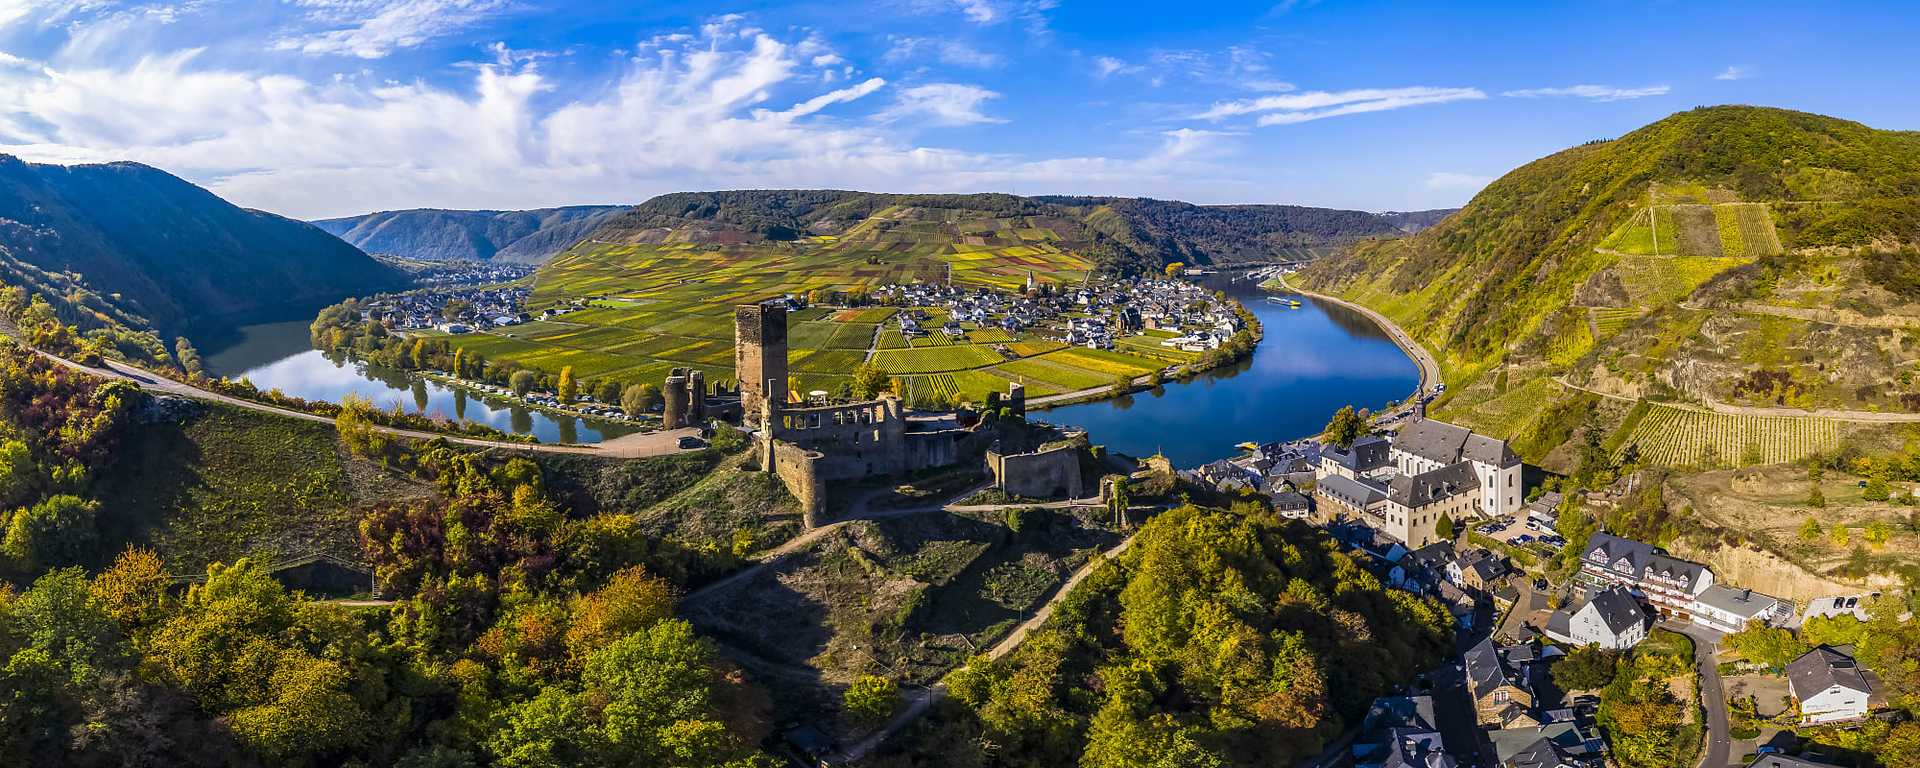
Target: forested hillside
[(1219, 638), (426, 234), (128, 244), (1725, 255)]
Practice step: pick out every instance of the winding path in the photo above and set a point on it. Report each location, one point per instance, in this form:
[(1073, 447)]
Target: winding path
[(628, 447)]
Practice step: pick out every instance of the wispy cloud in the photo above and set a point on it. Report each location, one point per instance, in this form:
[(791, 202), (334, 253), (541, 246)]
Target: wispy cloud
[(1108, 66), (371, 29), (1447, 181), (922, 50), (1734, 73), (949, 104), (1301, 107), (1589, 92)]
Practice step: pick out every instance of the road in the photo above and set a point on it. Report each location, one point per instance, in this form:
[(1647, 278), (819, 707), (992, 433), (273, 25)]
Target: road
[(627, 447), (1713, 697)]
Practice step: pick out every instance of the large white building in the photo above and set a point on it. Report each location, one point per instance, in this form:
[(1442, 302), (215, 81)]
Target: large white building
[(1425, 445), (1611, 619)]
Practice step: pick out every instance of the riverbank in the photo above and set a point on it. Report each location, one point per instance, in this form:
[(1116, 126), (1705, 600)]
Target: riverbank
[(1429, 369)]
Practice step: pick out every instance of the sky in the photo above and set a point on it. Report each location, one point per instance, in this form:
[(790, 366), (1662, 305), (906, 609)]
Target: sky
[(316, 108)]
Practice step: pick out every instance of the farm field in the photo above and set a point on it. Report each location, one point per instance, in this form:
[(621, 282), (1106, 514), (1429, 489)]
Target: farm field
[(649, 308), (1683, 437)]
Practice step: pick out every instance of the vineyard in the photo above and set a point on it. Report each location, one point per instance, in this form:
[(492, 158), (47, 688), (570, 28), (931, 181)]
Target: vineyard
[(1673, 436)]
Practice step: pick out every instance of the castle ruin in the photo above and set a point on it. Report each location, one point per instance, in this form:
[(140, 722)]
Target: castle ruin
[(760, 358)]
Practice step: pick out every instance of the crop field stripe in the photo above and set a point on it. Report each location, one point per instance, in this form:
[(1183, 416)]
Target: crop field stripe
[(1684, 437)]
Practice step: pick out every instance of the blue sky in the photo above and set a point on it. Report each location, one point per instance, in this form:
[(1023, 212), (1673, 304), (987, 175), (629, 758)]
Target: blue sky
[(328, 107)]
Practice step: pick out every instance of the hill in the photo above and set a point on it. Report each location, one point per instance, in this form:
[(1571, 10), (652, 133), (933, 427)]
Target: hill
[(129, 244), (426, 234), (1115, 233), (1411, 222), (1719, 259)]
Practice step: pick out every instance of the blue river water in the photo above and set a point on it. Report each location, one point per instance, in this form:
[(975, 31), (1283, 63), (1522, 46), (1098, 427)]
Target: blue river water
[(1311, 361)]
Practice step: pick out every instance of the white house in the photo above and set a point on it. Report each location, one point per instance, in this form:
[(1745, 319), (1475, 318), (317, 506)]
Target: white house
[(1611, 619), (1828, 686), (1730, 610)]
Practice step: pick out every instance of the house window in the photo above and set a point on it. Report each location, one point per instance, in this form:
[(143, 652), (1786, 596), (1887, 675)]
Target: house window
[(1500, 697)]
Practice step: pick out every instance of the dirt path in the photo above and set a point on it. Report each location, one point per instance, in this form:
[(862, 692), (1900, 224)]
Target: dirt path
[(628, 447), (933, 694), (1429, 369)]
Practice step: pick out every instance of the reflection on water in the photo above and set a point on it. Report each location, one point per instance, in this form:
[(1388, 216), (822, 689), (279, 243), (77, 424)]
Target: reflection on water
[(1312, 361), (278, 356)]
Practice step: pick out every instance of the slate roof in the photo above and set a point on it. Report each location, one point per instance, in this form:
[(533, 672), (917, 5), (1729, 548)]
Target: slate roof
[(1823, 668), (1286, 500), (1783, 761), (1438, 485), (1357, 493), (1487, 669), (1640, 558), (1617, 609), (1401, 712), (1368, 453), (1444, 443), (1535, 747)]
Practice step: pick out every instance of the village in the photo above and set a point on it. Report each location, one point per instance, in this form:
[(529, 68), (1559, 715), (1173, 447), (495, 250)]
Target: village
[(1090, 316), (1436, 510)]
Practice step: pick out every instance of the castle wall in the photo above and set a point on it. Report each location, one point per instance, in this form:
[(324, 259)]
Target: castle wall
[(799, 470), (1043, 474)]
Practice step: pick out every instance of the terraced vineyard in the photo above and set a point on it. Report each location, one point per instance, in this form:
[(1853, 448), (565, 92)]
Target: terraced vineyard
[(1675, 436)]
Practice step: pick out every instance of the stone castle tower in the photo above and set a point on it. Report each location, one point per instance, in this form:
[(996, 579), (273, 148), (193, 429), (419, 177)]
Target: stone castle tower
[(760, 357)]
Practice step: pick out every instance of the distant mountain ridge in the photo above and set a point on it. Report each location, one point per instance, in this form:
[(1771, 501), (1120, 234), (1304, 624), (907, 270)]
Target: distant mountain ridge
[(429, 234), (127, 243), (1128, 234)]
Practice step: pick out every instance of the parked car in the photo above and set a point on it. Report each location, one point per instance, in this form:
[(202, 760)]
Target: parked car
[(692, 442)]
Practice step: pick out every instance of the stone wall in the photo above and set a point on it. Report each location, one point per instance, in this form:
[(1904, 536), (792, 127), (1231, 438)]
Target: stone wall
[(1050, 473), (799, 470)]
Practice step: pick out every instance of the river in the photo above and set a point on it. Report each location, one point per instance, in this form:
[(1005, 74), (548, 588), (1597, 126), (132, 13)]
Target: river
[(280, 356), (1311, 361)]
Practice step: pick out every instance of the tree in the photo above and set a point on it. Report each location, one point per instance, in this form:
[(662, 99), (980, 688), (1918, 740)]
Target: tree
[(1345, 427), (1840, 536), (189, 357), (1156, 378), (1588, 667), (57, 531), (419, 354), (454, 309), (521, 382), (608, 391), (1878, 533), (459, 363), (870, 380), (567, 389), (1810, 529), (1815, 473), (134, 589), (1876, 490), (1122, 383), (639, 398), (870, 700), (1444, 527), (19, 474), (1173, 268), (632, 600), (1761, 644)]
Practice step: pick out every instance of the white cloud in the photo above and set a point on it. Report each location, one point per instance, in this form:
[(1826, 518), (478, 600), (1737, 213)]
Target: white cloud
[(1108, 66), (1734, 73), (941, 104), (371, 29), (1301, 107), (979, 11), (921, 50), (1446, 181), (1589, 92), (686, 112)]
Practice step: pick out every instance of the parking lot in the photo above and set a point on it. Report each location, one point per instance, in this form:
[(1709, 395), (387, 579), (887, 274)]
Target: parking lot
[(1519, 531)]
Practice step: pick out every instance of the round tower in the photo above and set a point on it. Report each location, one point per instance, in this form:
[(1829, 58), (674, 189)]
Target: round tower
[(675, 396)]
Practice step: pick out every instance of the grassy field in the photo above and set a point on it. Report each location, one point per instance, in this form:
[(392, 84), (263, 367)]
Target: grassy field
[(654, 307), (1683, 437)]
